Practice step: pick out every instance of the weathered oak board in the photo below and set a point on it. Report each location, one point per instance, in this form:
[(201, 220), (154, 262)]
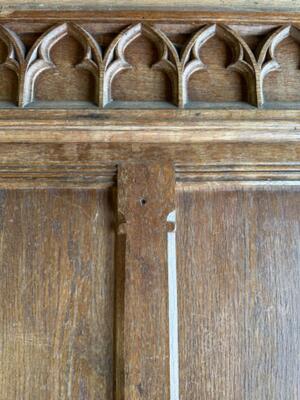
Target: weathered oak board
[(239, 292), (146, 195), (56, 295), (102, 116)]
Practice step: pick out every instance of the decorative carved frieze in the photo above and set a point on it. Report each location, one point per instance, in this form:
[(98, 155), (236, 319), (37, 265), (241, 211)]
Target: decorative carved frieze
[(177, 51)]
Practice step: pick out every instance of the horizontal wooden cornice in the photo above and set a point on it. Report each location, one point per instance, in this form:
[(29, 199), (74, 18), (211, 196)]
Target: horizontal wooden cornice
[(80, 147), (165, 15), (80, 144), (97, 176), (149, 126)]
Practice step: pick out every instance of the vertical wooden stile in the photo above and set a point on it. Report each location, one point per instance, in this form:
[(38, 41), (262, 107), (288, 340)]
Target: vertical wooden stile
[(146, 195)]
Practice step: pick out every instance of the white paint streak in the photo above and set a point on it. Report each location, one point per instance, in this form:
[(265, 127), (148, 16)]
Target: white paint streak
[(173, 311)]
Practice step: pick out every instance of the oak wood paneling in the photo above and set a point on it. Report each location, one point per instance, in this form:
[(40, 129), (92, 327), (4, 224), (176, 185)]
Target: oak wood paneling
[(239, 293), (74, 324), (56, 295)]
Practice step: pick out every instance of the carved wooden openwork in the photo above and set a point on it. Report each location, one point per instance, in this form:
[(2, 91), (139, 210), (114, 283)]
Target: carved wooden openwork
[(135, 63)]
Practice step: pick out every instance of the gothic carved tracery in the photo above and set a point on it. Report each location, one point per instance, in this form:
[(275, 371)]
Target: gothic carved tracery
[(179, 62)]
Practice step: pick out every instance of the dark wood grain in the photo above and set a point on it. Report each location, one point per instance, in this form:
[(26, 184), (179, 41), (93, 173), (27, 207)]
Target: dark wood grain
[(56, 295), (239, 293)]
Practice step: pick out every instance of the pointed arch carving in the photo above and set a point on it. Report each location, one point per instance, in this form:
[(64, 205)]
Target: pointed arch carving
[(98, 51), (115, 60), (267, 58), (15, 57), (39, 57), (243, 60)]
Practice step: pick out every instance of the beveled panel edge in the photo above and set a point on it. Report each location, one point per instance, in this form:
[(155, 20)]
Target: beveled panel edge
[(104, 176), (57, 176), (234, 176)]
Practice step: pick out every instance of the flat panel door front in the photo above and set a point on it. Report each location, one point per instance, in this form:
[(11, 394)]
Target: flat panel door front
[(56, 295), (239, 292)]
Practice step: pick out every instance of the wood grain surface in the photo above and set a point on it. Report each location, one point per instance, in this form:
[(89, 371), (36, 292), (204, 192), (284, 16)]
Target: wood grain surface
[(57, 277), (146, 195), (256, 5), (239, 293), (80, 321), (84, 129)]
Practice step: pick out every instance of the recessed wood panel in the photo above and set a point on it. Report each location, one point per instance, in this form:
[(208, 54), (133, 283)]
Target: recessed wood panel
[(56, 315), (142, 82), (239, 294), (8, 79), (8, 86), (67, 80), (283, 85), (216, 83)]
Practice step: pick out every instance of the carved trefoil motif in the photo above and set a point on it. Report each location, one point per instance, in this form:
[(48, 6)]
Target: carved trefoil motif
[(178, 59)]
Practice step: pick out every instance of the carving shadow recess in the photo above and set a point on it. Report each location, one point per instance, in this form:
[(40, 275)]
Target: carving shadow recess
[(281, 68), (62, 68), (141, 80), (12, 53), (61, 83), (100, 64), (141, 69), (216, 71)]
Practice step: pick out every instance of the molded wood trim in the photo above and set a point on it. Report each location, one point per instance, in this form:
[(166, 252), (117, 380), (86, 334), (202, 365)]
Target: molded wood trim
[(245, 175), (149, 126), (152, 15), (68, 145), (102, 176), (31, 176)]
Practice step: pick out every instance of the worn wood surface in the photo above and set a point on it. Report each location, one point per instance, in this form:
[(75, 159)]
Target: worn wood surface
[(234, 16), (238, 282), (41, 139), (145, 127), (57, 279), (146, 195), (256, 5), (80, 321), (219, 153)]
